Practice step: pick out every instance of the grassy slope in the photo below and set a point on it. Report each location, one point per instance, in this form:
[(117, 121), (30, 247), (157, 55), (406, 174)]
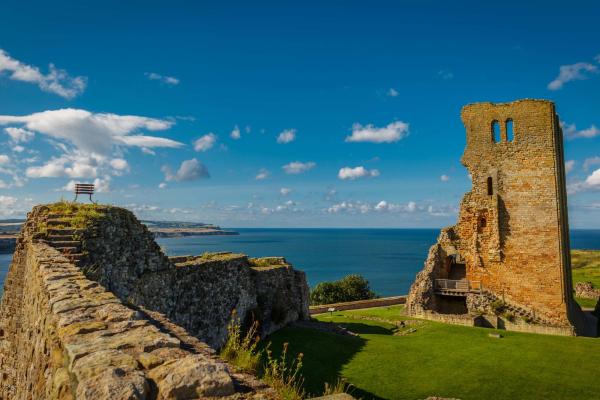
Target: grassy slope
[(586, 268), (444, 360)]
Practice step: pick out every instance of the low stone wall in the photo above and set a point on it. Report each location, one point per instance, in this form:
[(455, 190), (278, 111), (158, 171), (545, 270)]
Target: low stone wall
[(355, 305), (63, 336), (197, 292)]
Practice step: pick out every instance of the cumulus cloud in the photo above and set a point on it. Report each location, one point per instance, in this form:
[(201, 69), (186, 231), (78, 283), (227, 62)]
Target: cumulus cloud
[(167, 80), (444, 178), (19, 135), (205, 142), (56, 81), (119, 165), (12, 206), (569, 165), (350, 208), (285, 191), (235, 133), (262, 174), (571, 132), (356, 173), (189, 170), (162, 185), (590, 162), (590, 184), (572, 72), (94, 132), (392, 92), (383, 205), (297, 167), (391, 133), (4, 159), (287, 136)]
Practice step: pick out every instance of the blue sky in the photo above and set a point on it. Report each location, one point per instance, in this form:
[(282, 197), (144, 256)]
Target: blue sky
[(286, 114)]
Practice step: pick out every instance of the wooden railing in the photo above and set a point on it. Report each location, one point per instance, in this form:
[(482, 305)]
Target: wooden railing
[(462, 285)]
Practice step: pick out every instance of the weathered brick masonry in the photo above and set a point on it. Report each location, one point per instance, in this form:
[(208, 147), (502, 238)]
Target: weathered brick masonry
[(511, 242)]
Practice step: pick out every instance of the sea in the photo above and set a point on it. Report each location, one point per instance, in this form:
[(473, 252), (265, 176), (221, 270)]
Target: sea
[(388, 258)]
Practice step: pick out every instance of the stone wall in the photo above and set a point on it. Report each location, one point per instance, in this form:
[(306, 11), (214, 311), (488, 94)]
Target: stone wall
[(512, 232), (196, 292), (123, 320), (64, 337)]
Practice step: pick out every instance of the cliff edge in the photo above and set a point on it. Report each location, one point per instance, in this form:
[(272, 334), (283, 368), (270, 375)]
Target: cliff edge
[(93, 309)]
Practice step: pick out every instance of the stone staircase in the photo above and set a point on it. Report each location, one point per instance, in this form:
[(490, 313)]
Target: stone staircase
[(517, 311), (64, 237)]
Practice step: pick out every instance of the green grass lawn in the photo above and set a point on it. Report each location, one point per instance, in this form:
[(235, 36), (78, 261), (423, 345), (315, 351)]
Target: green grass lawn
[(443, 360), (585, 266)]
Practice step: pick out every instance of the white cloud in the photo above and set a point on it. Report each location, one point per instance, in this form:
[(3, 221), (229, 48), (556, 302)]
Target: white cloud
[(369, 133), (569, 165), (162, 185), (262, 174), (4, 159), (94, 132), (590, 184), (287, 136), (297, 167), (167, 80), (119, 164), (235, 133), (594, 179), (383, 205), (349, 207), (572, 72), (56, 81), (356, 173), (19, 135), (18, 149), (205, 142), (597, 58), (285, 191), (392, 92), (89, 142), (571, 132), (189, 170), (444, 178), (590, 162)]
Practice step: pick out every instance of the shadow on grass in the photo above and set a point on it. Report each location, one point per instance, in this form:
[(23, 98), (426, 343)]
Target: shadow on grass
[(362, 329), (325, 354)]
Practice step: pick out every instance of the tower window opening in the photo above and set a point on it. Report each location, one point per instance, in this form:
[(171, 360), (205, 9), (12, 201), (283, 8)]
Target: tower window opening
[(482, 222), (510, 136), (495, 131), (490, 186)]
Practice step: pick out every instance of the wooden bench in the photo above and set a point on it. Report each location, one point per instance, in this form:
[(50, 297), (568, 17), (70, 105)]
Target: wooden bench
[(84, 188)]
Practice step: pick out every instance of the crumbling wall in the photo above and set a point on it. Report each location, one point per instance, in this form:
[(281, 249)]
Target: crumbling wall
[(196, 292), (512, 229), (66, 337)]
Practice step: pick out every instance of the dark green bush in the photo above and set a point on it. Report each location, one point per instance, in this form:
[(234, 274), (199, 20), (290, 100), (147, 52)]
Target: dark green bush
[(350, 288)]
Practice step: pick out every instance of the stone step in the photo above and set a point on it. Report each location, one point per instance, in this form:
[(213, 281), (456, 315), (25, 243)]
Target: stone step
[(68, 249), (58, 222), (64, 231), (60, 215), (64, 243), (60, 237)]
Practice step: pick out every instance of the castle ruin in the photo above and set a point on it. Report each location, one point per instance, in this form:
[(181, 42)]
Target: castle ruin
[(506, 263)]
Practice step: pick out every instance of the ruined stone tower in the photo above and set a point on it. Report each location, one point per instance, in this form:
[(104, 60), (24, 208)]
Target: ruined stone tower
[(508, 255)]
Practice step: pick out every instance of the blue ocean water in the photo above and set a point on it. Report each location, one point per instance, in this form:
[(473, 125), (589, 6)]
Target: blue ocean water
[(388, 258)]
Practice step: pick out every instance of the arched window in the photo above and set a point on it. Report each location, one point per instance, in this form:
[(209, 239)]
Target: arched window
[(490, 186), (495, 131), (510, 136)]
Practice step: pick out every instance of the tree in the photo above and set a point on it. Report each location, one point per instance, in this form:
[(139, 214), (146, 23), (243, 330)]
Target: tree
[(350, 288)]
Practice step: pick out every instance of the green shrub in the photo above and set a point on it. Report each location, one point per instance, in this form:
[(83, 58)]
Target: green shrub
[(240, 349), (284, 377), (350, 288)]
